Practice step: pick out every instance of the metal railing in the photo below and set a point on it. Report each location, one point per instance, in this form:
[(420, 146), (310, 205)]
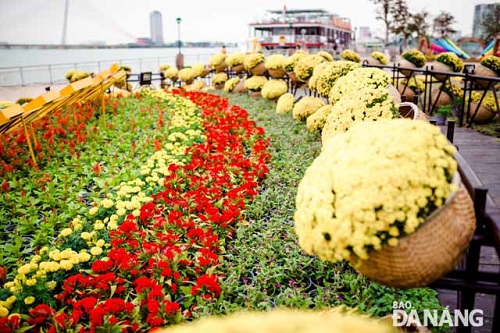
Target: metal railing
[(54, 73)]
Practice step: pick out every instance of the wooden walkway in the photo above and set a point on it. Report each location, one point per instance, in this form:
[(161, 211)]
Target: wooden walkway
[(482, 153)]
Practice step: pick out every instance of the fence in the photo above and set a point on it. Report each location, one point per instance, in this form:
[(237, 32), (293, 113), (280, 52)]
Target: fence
[(54, 73)]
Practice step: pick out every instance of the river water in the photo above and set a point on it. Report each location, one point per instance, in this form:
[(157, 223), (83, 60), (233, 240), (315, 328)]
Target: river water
[(30, 66)]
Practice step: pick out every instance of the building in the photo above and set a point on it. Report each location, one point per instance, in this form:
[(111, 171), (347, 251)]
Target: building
[(156, 26), (479, 12)]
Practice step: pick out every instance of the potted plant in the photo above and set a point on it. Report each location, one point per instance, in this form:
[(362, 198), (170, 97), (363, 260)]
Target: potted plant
[(218, 80), (389, 209), (377, 58), (273, 89), (254, 85), (254, 63), (275, 65), (489, 66), (217, 61), (447, 62), (350, 55), (442, 113), (411, 59)]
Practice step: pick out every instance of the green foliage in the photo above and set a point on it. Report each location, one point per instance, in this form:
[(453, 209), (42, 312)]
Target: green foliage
[(264, 264)]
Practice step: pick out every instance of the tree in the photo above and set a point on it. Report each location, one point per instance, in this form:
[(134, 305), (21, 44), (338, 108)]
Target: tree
[(443, 25), (490, 25), (418, 23), (384, 14), (400, 17)]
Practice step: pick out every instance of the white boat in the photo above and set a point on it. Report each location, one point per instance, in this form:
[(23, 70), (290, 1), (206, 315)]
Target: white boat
[(311, 29)]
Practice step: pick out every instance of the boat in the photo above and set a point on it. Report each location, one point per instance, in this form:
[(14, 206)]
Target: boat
[(311, 29)]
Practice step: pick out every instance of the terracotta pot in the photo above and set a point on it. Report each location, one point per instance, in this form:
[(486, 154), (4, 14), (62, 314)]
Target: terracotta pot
[(260, 69), (372, 61), (406, 64), (483, 71), (483, 116), (440, 67), (277, 73), (219, 86)]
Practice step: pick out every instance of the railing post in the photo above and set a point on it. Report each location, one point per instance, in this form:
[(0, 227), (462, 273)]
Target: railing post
[(50, 74), (22, 75)]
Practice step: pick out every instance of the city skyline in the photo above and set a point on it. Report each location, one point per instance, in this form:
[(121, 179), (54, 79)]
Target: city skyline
[(116, 22)]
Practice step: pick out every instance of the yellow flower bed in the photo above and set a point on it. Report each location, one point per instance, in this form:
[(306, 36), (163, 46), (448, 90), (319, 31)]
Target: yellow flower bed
[(253, 59), (304, 66), (275, 61), (357, 79), (273, 89), (350, 55), (306, 107), (255, 83), (231, 83), (285, 103), (285, 321), (365, 104), (317, 120), (371, 185), (326, 74)]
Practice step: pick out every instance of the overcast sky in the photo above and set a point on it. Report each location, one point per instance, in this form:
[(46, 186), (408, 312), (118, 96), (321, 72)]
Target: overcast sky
[(120, 21)]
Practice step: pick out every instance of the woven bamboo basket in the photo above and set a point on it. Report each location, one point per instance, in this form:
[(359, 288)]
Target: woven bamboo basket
[(255, 94), (220, 67), (483, 116), (405, 63), (277, 73), (430, 252), (483, 71), (238, 68), (294, 78), (440, 67), (260, 69)]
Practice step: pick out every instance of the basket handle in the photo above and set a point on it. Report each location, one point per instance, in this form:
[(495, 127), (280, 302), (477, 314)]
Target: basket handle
[(416, 110)]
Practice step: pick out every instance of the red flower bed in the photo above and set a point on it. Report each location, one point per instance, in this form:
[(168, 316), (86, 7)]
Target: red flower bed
[(163, 262)]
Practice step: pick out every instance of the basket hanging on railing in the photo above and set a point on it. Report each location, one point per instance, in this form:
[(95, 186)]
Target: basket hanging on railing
[(430, 252)]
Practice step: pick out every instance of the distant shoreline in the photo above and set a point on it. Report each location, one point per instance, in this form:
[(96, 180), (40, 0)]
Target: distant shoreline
[(6, 46)]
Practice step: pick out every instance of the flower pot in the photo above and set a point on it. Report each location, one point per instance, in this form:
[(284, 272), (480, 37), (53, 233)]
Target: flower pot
[(255, 94), (483, 71), (238, 68), (239, 88), (277, 73), (372, 61), (205, 72), (444, 99), (394, 93), (219, 86), (260, 69), (440, 120), (440, 67), (433, 250), (409, 67), (220, 67), (406, 91), (483, 115), (294, 78)]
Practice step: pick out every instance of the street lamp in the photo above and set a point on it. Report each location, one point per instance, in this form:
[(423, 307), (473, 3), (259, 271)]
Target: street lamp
[(179, 59), (179, 33)]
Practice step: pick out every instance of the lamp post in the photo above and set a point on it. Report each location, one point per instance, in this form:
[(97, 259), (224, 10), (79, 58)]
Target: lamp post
[(179, 59), (303, 34), (179, 33)]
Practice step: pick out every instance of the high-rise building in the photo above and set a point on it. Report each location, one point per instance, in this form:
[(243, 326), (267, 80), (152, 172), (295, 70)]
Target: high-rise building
[(479, 12), (156, 27)]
